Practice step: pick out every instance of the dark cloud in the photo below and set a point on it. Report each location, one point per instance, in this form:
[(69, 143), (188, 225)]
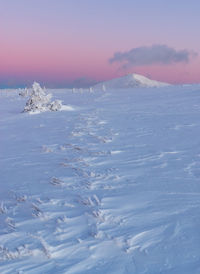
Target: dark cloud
[(155, 54)]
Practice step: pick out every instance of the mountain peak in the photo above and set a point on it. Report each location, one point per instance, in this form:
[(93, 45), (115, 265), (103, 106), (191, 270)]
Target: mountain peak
[(130, 81)]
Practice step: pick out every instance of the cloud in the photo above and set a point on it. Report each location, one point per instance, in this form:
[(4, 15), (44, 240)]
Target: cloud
[(155, 54)]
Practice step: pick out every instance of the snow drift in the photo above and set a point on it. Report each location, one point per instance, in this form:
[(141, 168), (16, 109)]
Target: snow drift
[(112, 187)]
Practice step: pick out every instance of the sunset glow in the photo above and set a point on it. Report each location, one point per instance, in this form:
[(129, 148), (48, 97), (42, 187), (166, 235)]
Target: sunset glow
[(58, 42)]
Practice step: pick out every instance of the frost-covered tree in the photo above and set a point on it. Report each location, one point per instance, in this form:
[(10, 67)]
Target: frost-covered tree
[(24, 92), (39, 101), (55, 105)]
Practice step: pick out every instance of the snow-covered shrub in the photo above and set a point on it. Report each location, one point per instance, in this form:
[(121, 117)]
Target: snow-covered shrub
[(55, 105), (24, 92), (39, 101)]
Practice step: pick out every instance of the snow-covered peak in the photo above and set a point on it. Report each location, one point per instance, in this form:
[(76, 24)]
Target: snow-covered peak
[(131, 81)]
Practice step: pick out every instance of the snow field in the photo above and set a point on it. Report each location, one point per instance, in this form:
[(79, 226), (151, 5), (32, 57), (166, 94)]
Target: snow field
[(110, 187)]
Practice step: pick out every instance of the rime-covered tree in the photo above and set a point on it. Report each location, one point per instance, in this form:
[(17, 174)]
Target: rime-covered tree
[(39, 101)]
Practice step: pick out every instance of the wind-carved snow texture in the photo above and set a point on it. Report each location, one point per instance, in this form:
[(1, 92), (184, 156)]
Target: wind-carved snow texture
[(112, 187)]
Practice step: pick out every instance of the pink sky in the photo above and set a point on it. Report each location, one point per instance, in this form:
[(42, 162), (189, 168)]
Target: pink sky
[(57, 42)]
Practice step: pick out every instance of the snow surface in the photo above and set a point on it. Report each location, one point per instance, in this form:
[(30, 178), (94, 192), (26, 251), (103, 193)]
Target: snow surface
[(110, 187), (130, 81)]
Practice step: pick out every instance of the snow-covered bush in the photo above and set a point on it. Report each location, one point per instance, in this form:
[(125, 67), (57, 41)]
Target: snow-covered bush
[(24, 92), (55, 105), (39, 101)]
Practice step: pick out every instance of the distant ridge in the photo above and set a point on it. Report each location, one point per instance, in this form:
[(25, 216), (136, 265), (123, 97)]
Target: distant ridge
[(130, 81)]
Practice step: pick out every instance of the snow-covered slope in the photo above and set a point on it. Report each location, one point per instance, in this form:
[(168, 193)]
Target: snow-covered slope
[(111, 187), (130, 81)]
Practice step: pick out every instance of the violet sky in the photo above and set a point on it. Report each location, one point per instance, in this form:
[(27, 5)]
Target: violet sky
[(62, 43)]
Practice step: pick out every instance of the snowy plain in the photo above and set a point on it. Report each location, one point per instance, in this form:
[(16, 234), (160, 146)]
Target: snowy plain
[(110, 185)]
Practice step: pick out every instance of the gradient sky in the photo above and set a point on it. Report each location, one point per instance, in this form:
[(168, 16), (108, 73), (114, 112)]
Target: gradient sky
[(61, 43)]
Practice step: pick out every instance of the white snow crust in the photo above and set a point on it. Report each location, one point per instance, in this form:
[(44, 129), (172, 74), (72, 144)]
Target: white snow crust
[(111, 187)]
